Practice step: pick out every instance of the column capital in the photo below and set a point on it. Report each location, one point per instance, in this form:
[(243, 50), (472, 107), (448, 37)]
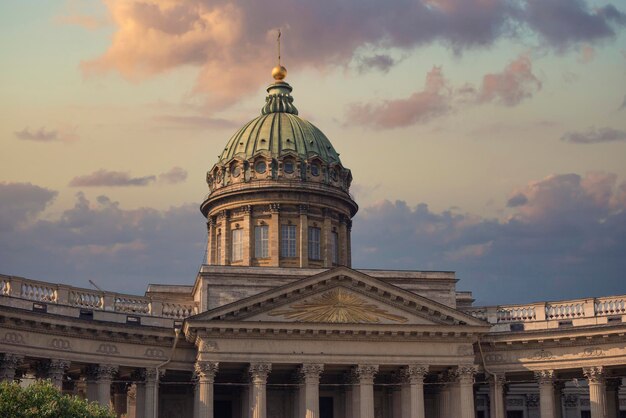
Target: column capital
[(366, 372), (544, 377), (101, 371), (465, 373), (303, 209), (310, 371), (206, 370), (259, 371), (11, 361), (413, 373), (149, 375), (594, 374)]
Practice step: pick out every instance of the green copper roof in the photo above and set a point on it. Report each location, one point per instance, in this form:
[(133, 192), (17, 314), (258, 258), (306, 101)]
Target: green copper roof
[(279, 131)]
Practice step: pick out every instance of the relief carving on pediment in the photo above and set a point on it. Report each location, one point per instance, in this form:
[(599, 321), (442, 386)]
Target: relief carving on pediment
[(337, 306)]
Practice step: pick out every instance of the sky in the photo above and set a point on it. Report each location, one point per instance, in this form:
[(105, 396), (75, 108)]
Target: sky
[(486, 137)]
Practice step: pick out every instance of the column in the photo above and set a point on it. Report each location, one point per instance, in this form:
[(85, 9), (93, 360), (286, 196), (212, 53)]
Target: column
[(365, 374), (258, 396), (612, 398), (8, 365), (310, 377), (465, 377), (303, 244), (349, 243), (225, 239), (274, 238), (545, 378), (343, 240), (597, 391), (150, 393), (99, 383), (56, 371), (206, 371), (413, 390), (444, 403), (327, 237), (210, 246), (248, 236), (497, 396)]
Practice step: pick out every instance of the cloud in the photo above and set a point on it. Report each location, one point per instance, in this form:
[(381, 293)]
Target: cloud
[(509, 87), (232, 43), (623, 106), (562, 23), (438, 98), (381, 62), (105, 178), (121, 250), (433, 101), (44, 135), (568, 229), (594, 136), (22, 202), (174, 176), (518, 200)]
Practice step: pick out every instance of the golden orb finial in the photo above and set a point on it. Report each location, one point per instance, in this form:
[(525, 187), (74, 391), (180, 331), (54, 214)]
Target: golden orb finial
[(279, 73)]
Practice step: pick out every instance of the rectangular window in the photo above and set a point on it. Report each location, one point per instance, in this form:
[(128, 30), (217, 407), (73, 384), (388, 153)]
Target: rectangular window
[(261, 241), (314, 243), (334, 247), (237, 247), (218, 250), (288, 241)]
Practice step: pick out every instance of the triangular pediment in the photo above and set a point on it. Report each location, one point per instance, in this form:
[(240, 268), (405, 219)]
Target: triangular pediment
[(338, 296)]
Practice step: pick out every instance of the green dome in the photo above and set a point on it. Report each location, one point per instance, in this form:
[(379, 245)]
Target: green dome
[(279, 147), (279, 131)]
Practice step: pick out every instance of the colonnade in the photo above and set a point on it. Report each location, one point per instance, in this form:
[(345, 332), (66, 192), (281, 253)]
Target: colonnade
[(455, 392), (98, 380), (359, 393)]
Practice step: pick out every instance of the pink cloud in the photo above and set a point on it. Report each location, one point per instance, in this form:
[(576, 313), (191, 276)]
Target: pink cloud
[(106, 178), (509, 87), (432, 101), (232, 42), (587, 54)]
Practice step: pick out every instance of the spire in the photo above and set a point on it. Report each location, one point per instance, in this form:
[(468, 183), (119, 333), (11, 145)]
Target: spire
[(279, 98)]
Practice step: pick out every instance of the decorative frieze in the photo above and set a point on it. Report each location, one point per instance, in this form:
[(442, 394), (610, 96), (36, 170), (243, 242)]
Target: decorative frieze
[(108, 349), (60, 344), (13, 338)]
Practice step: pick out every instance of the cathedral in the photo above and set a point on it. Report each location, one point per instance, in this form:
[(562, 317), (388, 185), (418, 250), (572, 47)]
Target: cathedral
[(279, 325)]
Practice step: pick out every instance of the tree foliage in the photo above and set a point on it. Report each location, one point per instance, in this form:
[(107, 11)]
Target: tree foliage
[(43, 400)]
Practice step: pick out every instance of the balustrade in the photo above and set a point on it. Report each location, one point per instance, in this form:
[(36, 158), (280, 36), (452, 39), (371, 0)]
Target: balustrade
[(18, 287)]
